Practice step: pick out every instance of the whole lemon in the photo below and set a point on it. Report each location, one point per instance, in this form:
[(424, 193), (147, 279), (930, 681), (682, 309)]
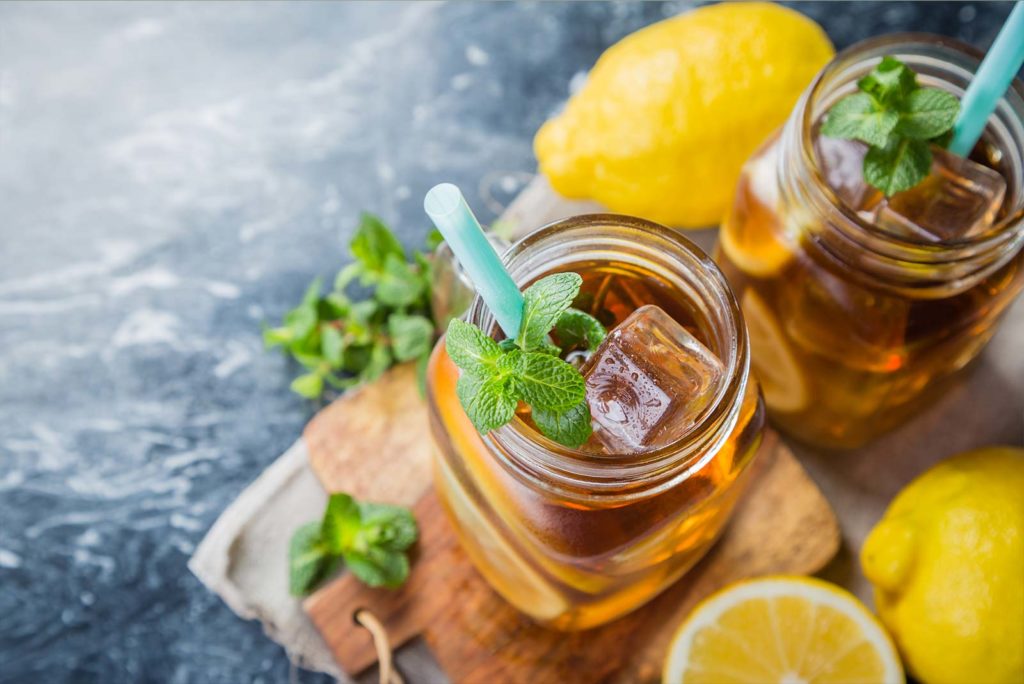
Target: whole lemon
[(670, 113), (947, 563)]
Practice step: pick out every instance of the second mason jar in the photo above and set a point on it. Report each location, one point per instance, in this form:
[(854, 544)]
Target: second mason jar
[(574, 538), (856, 321)]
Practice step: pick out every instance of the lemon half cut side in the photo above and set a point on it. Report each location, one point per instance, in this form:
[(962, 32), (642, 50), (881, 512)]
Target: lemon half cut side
[(782, 630)]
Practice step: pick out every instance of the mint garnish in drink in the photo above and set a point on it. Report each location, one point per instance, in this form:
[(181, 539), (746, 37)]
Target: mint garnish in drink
[(370, 539), (898, 119), (497, 376)]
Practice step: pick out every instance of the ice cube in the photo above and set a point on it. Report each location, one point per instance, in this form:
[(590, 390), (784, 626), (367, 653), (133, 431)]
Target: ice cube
[(649, 382), (960, 198), (842, 164)]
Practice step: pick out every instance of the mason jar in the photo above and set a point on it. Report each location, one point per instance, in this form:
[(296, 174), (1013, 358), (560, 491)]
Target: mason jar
[(856, 322), (574, 538)]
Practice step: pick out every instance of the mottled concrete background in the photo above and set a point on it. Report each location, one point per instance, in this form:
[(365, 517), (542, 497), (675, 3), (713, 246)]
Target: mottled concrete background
[(170, 177)]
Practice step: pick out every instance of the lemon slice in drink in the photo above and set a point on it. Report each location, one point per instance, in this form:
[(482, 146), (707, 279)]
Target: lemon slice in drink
[(784, 630), (753, 243), (758, 257), (772, 359)]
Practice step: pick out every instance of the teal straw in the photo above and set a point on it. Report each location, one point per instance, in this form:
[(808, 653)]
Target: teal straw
[(447, 208), (994, 76)]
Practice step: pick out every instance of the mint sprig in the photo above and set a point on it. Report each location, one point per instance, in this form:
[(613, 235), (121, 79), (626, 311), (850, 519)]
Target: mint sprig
[(369, 539), (543, 304), (898, 119), (341, 341), (497, 376)]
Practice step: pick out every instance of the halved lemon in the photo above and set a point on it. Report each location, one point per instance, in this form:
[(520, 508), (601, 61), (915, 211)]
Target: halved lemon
[(782, 630), (772, 358)]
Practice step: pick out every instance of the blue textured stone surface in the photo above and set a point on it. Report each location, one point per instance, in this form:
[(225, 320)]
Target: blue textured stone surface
[(170, 177)]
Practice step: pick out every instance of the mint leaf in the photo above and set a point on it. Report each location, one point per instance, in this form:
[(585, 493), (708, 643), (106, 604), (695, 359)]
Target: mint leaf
[(930, 113), (273, 337), (897, 118), (310, 361), (389, 527), (370, 538), (470, 349), (424, 271), (356, 357), (422, 364), (301, 320), (308, 561), (373, 242), (399, 284), (889, 83), (341, 523), (380, 360), (571, 428), (489, 403), (359, 328), (546, 382), (340, 383), (543, 303), (857, 118), (898, 166), (347, 275), (434, 239), (377, 567), (577, 328), (312, 294), (549, 348), (508, 344), (310, 385), (337, 305), (411, 336), (332, 344)]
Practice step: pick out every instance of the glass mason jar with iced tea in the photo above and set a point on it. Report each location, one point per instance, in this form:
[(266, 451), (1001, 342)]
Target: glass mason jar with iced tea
[(858, 306), (577, 537)]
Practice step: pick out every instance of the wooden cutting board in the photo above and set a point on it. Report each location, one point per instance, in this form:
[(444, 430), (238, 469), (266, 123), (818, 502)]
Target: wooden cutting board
[(375, 444)]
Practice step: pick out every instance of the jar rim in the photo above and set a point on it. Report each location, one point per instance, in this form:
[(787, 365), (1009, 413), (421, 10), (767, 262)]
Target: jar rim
[(958, 262), (550, 463)]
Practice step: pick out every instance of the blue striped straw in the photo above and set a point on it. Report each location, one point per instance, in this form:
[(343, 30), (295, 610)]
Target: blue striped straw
[(994, 76), (447, 208)]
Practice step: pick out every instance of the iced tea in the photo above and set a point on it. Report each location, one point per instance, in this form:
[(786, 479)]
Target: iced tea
[(575, 538), (859, 307)]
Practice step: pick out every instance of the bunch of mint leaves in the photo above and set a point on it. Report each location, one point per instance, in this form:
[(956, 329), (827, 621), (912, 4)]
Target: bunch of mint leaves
[(898, 119), (497, 376), (342, 342), (370, 539)]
